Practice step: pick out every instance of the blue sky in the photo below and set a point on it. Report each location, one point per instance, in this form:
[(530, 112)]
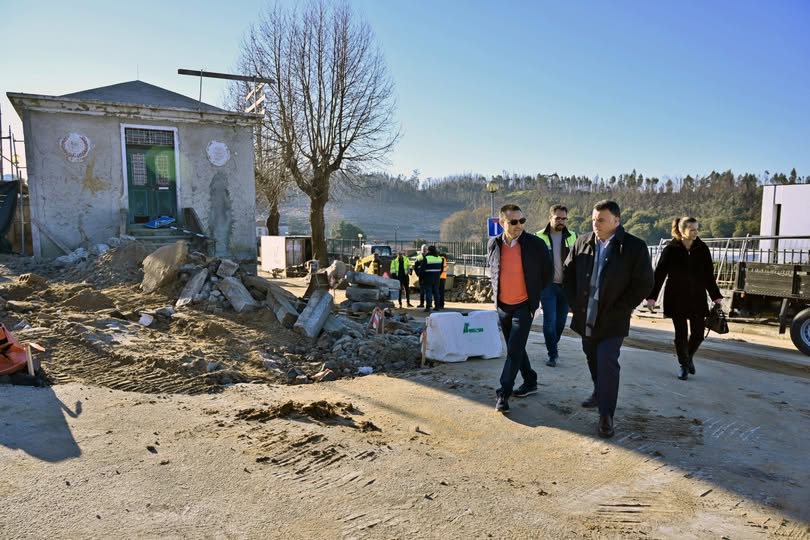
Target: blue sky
[(580, 87)]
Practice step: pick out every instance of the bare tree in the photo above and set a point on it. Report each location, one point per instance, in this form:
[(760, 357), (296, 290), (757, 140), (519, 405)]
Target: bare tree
[(272, 178), (330, 110)]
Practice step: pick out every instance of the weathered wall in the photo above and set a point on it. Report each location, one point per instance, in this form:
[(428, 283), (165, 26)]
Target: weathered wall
[(73, 198), (223, 195), (77, 197)]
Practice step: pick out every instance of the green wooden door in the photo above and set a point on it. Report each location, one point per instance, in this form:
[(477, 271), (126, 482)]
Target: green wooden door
[(152, 183)]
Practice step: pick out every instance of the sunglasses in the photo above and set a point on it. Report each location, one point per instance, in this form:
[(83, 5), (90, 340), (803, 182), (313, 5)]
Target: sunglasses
[(516, 221)]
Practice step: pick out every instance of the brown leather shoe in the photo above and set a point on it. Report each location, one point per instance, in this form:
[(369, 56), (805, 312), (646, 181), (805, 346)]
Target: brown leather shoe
[(591, 402), (606, 426)]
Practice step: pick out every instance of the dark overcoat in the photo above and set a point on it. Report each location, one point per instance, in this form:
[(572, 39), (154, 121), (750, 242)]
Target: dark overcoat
[(626, 278), (537, 268), (689, 275)]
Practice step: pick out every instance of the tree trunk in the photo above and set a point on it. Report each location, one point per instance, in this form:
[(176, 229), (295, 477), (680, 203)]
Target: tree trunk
[(273, 220), (317, 204)]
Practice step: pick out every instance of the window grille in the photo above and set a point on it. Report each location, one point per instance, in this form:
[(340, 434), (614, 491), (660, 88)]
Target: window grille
[(138, 169), (162, 171), (149, 137)]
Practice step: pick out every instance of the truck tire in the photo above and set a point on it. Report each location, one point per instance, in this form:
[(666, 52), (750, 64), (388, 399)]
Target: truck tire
[(800, 331)]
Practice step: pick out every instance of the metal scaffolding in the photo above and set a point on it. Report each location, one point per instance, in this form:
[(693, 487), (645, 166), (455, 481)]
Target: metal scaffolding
[(9, 157)]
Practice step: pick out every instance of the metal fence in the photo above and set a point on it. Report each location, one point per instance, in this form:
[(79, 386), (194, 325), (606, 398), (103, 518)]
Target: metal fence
[(471, 252), (726, 252), (470, 258)]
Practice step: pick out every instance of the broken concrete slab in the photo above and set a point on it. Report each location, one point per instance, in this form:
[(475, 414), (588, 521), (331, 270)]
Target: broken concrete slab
[(227, 268), (264, 285), (367, 307), (311, 321), (236, 293), (372, 280), (335, 272), (161, 265), (362, 294), (192, 288), (282, 308)]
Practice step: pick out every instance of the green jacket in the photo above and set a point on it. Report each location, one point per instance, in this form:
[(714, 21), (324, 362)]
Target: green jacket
[(568, 240), (395, 270)]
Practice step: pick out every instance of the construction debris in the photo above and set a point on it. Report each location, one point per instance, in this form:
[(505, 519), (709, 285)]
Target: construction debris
[(192, 332)]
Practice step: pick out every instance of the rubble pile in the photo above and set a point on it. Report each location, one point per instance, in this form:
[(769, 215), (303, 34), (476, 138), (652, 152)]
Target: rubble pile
[(355, 353), (470, 289), (181, 322)]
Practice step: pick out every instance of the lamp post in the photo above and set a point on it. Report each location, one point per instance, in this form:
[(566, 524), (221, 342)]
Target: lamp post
[(492, 187), (396, 230), (360, 242)]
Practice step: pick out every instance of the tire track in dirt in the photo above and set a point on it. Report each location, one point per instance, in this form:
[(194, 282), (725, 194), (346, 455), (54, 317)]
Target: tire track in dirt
[(76, 362), (311, 464)]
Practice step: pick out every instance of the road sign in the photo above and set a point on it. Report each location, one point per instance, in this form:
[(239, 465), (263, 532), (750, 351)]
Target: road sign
[(493, 227)]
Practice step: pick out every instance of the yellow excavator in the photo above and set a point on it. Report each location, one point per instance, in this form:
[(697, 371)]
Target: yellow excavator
[(376, 256)]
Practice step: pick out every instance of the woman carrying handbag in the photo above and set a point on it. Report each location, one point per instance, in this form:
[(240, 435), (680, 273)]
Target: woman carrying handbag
[(687, 265)]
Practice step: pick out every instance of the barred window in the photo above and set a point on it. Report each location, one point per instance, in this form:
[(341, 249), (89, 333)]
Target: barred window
[(138, 169), (162, 171), (149, 137)]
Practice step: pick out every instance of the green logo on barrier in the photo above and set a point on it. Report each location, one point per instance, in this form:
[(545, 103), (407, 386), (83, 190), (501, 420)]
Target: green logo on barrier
[(468, 330)]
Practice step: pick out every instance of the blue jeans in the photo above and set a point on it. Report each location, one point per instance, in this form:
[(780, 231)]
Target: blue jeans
[(603, 363), (516, 322), (555, 312), (431, 293)]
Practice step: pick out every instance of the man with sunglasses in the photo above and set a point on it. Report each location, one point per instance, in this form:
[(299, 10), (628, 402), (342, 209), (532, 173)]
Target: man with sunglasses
[(520, 267), (607, 274), (559, 240)]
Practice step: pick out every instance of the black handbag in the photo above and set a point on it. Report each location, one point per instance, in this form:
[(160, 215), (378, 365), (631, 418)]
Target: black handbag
[(716, 321)]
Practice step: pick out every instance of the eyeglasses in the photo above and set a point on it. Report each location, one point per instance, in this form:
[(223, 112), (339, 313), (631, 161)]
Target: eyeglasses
[(516, 221)]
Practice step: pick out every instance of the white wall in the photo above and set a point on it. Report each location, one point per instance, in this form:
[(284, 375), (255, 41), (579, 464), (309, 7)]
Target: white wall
[(795, 215)]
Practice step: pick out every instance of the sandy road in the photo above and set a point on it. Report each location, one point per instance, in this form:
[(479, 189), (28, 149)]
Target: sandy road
[(720, 455)]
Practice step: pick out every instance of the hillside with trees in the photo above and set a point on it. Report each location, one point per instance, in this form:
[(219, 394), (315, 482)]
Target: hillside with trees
[(456, 208)]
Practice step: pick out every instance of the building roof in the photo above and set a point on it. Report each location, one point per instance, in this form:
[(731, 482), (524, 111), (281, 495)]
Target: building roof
[(141, 93)]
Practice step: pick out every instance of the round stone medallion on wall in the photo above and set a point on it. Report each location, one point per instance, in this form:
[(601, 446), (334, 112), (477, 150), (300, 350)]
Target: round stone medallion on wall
[(218, 153), (75, 147)]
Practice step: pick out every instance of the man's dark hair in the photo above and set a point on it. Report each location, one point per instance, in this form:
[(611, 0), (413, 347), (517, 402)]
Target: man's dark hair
[(556, 208), (510, 208), (432, 250), (610, 206)]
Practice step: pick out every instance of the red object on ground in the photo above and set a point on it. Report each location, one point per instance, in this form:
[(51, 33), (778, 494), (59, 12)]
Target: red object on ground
[(12, 354)]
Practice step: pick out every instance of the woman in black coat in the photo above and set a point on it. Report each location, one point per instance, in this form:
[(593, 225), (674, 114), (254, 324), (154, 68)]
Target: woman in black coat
[(687, 265)]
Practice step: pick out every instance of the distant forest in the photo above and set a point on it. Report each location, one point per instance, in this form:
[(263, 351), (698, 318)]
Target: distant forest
[(725, 204)]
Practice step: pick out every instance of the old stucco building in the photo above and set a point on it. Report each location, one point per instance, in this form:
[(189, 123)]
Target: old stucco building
[(104, 161)]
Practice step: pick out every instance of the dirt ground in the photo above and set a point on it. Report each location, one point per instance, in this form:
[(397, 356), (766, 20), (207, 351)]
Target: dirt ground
[(137, 438)]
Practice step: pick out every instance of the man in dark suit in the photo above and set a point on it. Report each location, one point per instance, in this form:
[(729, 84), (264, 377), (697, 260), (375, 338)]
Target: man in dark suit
[(607, 274), (520, 266)]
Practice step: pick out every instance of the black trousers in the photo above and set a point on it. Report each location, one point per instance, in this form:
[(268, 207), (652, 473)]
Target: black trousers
[(697, 325), (403, 289)]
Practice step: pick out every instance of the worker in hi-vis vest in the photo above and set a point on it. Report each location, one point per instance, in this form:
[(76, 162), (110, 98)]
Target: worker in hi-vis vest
[(559, 241), (400, 269)]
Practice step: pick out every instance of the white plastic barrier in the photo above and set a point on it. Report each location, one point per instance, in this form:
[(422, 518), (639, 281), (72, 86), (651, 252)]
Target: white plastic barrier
[(453, 337)]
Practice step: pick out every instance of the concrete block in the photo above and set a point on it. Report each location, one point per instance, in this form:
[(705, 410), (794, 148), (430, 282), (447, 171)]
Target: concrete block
[(362, 294), (192, 288), (282, 307), (237, 294), (311, 321), (160, 267), (227, 268), (372, 280)]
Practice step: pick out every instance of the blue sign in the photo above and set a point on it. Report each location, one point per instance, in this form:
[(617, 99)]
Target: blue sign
[(493, 227)]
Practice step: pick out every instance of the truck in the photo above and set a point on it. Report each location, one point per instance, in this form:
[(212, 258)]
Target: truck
[(769, 276)]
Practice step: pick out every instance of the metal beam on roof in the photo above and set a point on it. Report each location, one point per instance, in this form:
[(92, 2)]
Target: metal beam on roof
[(228, 76)]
